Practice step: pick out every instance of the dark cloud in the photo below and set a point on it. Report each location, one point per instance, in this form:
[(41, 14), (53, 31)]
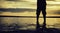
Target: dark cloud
[(57, 12), (16, 10)]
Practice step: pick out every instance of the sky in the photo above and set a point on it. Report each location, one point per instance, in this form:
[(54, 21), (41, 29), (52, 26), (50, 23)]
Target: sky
[(53, 7), (19, 4), (28, 4)]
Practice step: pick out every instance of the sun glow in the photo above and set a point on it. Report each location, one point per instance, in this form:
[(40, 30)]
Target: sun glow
[(31, 0)]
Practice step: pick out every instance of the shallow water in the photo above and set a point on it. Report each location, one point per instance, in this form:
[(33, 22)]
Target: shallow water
[(29, 23)]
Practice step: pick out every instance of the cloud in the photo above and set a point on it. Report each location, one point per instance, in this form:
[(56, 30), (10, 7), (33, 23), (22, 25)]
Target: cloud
[(13, 0), (16, 10), (57, 12)]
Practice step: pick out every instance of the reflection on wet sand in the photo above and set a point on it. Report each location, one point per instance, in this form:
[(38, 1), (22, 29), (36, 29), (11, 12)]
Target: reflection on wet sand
[(29, 23)]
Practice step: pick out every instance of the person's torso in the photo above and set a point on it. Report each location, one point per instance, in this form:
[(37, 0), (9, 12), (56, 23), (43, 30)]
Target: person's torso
[(41, 1)]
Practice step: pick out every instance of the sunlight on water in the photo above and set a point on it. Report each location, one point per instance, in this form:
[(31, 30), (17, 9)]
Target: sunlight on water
[(29, 23)]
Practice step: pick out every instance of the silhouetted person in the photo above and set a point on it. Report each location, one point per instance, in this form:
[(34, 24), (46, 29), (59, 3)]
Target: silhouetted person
[(41, 6)]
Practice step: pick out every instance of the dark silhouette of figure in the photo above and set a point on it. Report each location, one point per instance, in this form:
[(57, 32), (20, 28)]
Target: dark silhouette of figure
[(41, 6)]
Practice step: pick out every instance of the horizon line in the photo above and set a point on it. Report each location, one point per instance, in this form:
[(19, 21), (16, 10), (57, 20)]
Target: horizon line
[(32, 16)]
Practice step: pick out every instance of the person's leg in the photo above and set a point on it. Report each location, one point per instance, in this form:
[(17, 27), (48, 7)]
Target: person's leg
[(44, 16), (37, 22), (38, 13)]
